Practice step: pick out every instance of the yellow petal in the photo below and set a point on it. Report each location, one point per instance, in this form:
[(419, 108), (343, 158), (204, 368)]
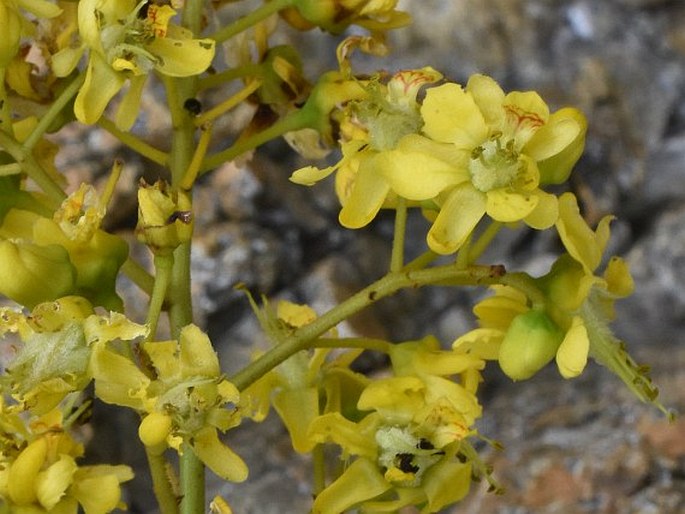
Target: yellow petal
[(451, 116), (182, 57), (366, 197), (553, 147), (584, 245), (482, 342), (51, 484), (128, 109), (546, 212), (218, 457), (98, 494), (446, 482), (310, 175), (503, 205), (459, 215), (361, 481), (298, 408), (420, 169), (526, 113), (343, 432), (488, 97), (617, 275), (198, 357), (41, 8), (24, 470), (99, 87), (573, 351)]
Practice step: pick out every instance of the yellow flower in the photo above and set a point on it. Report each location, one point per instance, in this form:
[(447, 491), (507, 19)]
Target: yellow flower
[(53, 359), (127, 40), (184, 404), (571, 321), (505, 142), (381, 140), (307, 384), (410, 448), (39, 473)]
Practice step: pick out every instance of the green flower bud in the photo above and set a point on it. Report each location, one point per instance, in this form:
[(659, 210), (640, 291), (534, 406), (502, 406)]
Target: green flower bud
[(165, 218), (529, 345), (31, 274)]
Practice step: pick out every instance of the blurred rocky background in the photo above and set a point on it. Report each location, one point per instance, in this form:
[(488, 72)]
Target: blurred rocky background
[(571, 447)]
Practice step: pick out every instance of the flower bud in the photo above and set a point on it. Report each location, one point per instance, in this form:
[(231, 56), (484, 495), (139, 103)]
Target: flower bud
[(530, 344), (154, 429), (10, 21), (31, 274), (165, 219)]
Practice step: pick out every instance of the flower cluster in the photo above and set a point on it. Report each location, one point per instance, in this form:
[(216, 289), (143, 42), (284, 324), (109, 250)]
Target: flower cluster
[(460, 154), (407, 441)]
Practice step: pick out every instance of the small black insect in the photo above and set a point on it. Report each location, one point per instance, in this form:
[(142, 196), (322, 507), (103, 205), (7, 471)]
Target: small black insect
[(193, 106), (404, 462), (425, 444), (184, 216)]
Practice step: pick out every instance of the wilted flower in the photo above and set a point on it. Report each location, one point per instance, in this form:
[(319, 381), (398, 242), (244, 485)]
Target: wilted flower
[(407, 448), (127, 40), (165, 217), (39, 473), (336, 15), (186, 402)]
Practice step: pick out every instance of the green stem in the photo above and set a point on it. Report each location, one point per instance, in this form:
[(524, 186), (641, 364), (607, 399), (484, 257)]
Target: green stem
[(161, 483), (397, 256), (219, 79), (422, 260), (134, 142), (319, 471), (163, 267), (389, 284), (180, 301), (247, 21), (33, 168), (55, 109), (5, 114), (138, 275), (526, 284), (192, 482), (482, 243), (377, 345), (294, 121)]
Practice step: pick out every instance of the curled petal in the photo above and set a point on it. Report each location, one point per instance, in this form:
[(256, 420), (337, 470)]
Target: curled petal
[(459, 215), (99, 87), (218, 457)]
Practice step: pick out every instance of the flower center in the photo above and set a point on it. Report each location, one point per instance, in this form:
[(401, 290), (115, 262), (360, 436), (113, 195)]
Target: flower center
[(494, 164), (404, 456)]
